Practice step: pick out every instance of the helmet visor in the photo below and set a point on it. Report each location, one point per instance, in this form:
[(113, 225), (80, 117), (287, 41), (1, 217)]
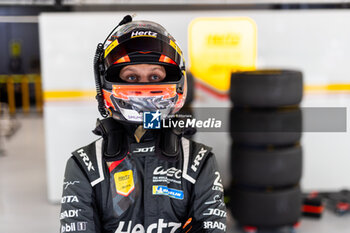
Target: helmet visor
[(144, 45)]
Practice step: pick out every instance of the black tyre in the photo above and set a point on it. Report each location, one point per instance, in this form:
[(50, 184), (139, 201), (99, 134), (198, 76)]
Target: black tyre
[(279, 167), (266, 209), (266, 88), (190, 88), (266, 126)]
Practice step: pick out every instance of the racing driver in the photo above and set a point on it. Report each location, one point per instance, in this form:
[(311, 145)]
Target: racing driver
[(140, 178)]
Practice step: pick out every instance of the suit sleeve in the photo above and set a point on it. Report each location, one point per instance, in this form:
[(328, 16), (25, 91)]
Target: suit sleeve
[(78, 211), (209, 210)]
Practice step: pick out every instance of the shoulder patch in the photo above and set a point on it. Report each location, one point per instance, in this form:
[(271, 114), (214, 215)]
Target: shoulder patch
[(198, 158), (90, 158), (85, 159), (194, 156)]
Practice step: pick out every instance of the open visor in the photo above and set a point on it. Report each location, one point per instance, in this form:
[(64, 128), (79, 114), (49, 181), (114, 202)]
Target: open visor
[(144, 44), (149, 97), (173, 73)]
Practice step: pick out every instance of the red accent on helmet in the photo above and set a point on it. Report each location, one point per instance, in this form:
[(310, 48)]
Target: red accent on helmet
[(123, 59), (166, 59), (107, 97)]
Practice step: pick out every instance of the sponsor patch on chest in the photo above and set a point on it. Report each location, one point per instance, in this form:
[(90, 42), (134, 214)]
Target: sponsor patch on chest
[(170, 192), (124, 182), (167, 175)]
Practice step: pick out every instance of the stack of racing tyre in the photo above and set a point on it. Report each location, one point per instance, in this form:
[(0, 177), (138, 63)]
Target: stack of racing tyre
[(266, 155)]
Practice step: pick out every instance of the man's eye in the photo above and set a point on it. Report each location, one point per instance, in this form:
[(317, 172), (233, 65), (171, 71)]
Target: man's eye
[(155, 78), (131, 78)]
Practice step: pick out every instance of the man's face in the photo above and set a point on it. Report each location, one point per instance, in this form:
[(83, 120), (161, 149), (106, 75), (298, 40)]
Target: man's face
[(142, 73)]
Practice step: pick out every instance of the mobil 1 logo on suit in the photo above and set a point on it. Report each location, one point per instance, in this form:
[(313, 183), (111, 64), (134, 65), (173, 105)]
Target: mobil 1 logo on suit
[(73, 227)]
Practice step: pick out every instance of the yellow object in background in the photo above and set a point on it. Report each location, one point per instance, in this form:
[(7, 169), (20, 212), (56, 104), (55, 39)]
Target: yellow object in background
[(15, 48), (219, 46)]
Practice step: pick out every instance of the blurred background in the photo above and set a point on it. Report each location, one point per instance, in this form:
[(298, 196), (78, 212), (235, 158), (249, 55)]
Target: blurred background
[(48, 109)]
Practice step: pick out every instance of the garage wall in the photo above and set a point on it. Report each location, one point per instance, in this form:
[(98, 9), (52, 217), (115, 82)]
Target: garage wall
[(316, 42)]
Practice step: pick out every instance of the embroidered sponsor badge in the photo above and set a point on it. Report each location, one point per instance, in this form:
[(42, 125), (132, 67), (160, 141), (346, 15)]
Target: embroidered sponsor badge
[(164, 190), (124, 182)]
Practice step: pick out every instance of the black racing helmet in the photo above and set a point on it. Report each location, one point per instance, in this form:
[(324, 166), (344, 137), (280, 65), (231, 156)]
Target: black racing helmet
[(141, 42)]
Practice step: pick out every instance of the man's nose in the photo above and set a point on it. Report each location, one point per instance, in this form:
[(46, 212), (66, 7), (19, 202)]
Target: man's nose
[(144, 78)]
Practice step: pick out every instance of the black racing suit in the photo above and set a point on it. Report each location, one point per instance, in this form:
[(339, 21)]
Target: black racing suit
[(139, 189)]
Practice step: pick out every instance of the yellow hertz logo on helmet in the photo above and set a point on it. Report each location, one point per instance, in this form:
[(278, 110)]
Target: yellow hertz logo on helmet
[(111, 47)]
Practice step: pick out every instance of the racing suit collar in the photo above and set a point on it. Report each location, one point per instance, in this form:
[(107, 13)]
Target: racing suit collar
[(118, 135)]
